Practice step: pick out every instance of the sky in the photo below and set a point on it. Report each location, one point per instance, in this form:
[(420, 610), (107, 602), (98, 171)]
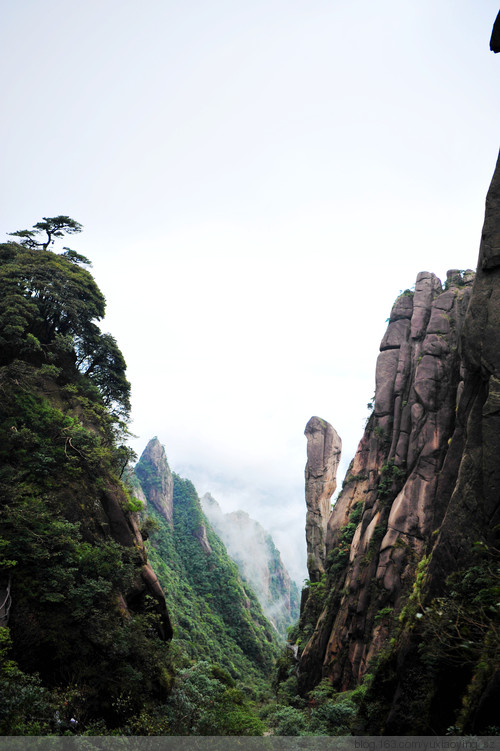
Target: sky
[(257, 183)]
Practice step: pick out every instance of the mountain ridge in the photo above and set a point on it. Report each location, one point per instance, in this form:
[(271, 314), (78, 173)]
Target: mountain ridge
[(259, 562)]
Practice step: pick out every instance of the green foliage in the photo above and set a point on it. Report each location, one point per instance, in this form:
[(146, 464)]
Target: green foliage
[(391, 476), (384, 613), (333, 718), (338, 557), (461, 627), (78, 648), (353, 478), (322, 713), (288, 721), (456, 281), (48, 309), (54, 227), (25, 706), (406, 293), (205, 702), (215, 615)]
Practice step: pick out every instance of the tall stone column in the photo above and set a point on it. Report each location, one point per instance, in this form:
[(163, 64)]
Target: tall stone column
[(324, 449)]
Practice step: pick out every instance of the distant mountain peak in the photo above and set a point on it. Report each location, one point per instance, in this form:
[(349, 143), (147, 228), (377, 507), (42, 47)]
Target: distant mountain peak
[(253, 550), (156, 478)]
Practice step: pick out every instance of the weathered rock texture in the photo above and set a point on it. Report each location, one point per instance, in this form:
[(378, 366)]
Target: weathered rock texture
[(388, 507), (412, 569), (323, 456), (156, 479), (125, 529), (463, 623), (259, 562)]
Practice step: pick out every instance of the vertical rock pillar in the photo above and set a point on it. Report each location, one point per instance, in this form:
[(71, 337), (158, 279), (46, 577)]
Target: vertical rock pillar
[(323, 456)]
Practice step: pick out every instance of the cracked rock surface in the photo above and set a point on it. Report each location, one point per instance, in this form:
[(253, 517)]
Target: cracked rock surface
[(392, 483), (324, 448)]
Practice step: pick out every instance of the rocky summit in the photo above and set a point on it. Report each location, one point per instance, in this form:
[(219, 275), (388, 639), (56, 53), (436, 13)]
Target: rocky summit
[(156, 479)]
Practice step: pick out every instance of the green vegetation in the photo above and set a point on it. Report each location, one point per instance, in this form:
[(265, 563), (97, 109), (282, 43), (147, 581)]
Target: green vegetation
[(83, 650), (322, 711), (391, 478), (339, 556), (48, 312), (215, 615), (83, 636), (325, 594), (73, 647)]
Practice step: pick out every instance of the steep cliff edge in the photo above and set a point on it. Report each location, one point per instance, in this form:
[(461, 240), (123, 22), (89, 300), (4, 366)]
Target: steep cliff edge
[(449, 643), (388, 507), (411, 583), (259, 562), (155, 479)]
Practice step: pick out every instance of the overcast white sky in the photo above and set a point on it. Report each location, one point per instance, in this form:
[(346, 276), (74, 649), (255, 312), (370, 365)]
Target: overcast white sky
[(257, 181)]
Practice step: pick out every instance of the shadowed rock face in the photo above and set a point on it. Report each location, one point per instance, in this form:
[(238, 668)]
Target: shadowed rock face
[(392, 483), (156, 478), (467, 515), (421, 506), (124, 528), (323, 456)]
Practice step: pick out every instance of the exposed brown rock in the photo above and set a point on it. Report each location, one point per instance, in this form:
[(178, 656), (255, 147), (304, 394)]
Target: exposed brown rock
[(394, 475), (124, 528), (156, 478), (201, 536), (323, 455), (467, 516)]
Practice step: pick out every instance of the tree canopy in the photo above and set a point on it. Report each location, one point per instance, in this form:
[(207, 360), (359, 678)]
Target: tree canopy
[(55, 227), (49, 309)]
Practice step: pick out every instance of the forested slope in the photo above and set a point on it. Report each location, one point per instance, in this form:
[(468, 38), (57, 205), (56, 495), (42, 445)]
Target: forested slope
[(215, 615), (83, 633), (259, 563), (84, 624)]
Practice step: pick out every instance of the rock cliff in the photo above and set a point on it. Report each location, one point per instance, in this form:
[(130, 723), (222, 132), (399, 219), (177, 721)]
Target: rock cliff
[(323, 456), (410, 589), (449, 639), (389, 507), (259, 562), (155, 478)]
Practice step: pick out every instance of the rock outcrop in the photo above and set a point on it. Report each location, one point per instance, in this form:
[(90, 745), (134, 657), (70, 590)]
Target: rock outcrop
[(323, 456), (389, 506), (259, 562), (124, 528), (156, 479), (457, 619), (410, 591)]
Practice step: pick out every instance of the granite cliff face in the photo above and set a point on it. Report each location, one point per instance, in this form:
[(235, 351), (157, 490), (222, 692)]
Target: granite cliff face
[(259, 562), (456, 624), (389, 505), (155, 478), (411, 583), (324, 449)]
